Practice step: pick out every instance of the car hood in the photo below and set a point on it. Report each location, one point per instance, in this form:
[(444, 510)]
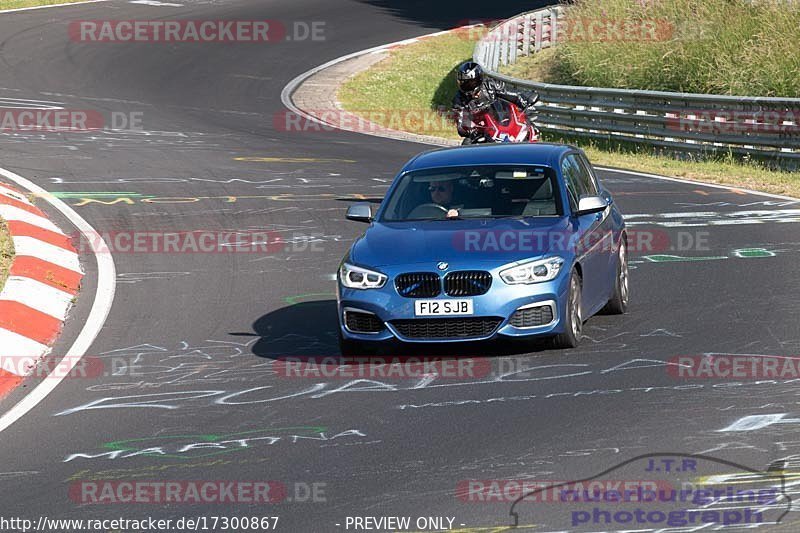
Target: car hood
[(497, 241)]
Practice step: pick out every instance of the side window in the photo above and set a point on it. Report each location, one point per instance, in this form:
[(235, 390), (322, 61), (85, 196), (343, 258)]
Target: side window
[(570, 171), (588, 177)]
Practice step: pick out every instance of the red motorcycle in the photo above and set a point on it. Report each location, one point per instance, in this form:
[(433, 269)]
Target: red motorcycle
[(501, 122)]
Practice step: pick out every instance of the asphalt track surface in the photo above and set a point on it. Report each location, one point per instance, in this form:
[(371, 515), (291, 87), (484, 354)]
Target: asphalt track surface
[(205, 328)]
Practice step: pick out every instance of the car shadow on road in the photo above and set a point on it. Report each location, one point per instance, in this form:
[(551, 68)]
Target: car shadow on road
[(310, 329)]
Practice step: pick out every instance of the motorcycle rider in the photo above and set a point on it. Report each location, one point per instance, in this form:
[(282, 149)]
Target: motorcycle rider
[(476, 93)]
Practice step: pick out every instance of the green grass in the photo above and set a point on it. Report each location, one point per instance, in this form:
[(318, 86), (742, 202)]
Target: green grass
[(15, 4), (415, 80), (704, 46), (420, 77), (6, 252), (723, 170)]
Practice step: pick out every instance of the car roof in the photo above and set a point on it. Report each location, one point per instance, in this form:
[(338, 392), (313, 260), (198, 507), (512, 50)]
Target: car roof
[(546, 154)]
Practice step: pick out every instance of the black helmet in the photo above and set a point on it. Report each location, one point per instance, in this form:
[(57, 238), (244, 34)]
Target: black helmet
[(469, 76)]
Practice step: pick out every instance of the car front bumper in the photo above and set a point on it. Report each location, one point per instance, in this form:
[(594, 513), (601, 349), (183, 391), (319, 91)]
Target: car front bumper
[(501, 302)]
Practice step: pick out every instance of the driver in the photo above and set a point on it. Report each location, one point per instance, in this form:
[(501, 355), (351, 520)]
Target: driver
[(441, 192)]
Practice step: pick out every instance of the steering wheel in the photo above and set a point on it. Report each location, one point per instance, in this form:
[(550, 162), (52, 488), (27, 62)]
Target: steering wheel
[(429, 210)]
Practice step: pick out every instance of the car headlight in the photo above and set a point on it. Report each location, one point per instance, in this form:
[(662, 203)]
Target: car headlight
[(533, 271), (354, 277)]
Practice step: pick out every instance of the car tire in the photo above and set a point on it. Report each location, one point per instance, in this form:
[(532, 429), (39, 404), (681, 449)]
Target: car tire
[(573, 316), (618, 303)]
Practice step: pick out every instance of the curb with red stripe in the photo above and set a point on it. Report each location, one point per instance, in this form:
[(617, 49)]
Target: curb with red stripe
[(43, 281)]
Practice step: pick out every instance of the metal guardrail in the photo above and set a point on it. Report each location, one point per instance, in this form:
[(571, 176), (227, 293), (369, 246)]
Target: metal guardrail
[(763, 127)]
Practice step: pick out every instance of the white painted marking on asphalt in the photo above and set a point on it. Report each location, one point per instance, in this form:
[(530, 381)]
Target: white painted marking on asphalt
[(756, 422), (154, 3), (10, 212), (37, 295), (690, 182), (713, 218), (16, 345), (49, 104), (32, 247), (51, 5), (103, 299)]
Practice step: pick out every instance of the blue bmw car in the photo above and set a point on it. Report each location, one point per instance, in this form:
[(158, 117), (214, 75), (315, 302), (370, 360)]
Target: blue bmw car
[(478, 242)]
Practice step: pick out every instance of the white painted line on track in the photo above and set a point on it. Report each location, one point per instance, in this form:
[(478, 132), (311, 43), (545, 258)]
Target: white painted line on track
[(101, 306), (31, 8), (5, 100), (700, 183), (154, 3)]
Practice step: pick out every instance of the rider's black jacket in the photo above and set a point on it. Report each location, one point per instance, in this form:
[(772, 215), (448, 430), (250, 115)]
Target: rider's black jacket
[(487, 93)]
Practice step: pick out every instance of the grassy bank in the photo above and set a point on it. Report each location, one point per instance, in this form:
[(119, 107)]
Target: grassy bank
[(414, 81), (16, 4), (723, 171), (700, 46), (6, 252), (419, 77)]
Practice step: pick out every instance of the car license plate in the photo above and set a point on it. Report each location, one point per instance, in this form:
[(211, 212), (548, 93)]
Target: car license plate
[(442, 307)]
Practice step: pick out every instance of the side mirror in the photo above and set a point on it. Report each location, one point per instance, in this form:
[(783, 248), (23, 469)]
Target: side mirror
[(592, 204), (359, 212)]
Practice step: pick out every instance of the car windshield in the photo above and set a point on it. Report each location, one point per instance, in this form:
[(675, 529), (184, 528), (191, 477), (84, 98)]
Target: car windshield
[(474, 192)]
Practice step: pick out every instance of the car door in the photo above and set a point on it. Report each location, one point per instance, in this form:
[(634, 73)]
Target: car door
[(593, 233), (606, 227)]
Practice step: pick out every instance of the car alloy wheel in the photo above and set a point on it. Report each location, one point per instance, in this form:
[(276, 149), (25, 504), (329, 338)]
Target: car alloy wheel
[(573, 318), (575, 307), (618, 303), (623, 274)]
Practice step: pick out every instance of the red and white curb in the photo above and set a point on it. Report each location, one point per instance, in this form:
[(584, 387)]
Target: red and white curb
[(44, 278)]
